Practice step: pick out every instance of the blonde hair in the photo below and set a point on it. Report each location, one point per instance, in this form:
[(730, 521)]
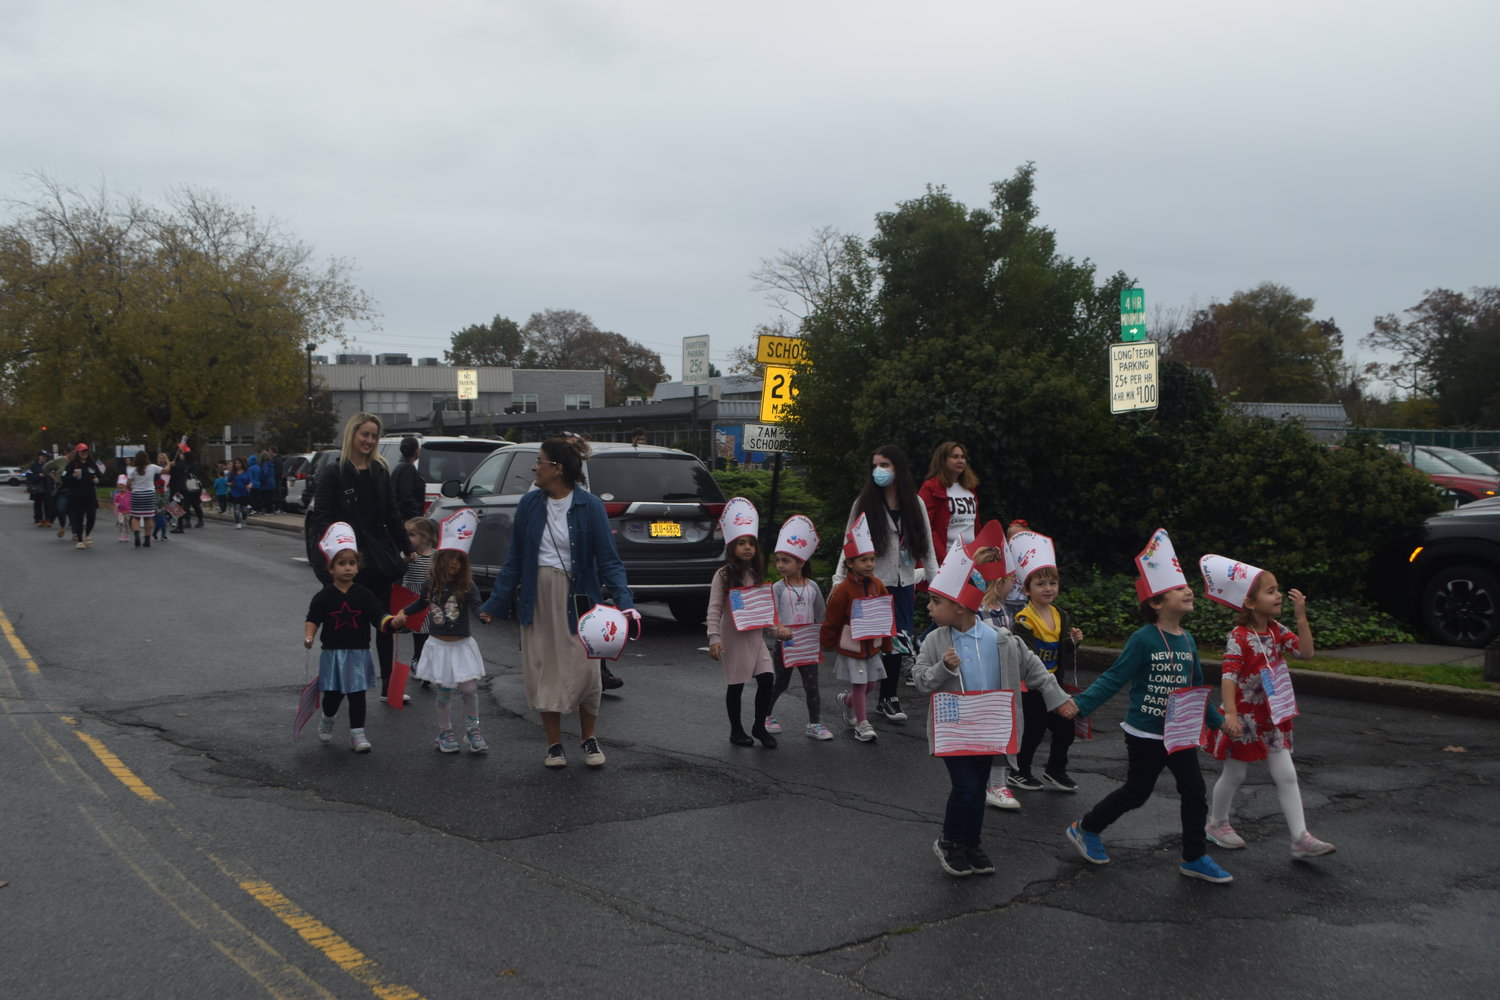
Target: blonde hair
[(938, 467), (424, 526), (996, 592), (346, 446)]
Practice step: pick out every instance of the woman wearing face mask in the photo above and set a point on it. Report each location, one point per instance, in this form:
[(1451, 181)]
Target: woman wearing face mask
[(903, 551)]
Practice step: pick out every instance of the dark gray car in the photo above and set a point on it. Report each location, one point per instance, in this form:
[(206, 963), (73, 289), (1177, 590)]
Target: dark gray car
[(663, 507)]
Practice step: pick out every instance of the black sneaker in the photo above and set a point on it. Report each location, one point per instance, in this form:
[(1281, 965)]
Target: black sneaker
[(1024, 782), (891, 709), (953, 857), (1060, 781), (980, 861)]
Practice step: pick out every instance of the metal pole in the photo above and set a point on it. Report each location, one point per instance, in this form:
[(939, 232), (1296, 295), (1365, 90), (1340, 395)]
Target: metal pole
[(309, 395), (696, 442), (772, 523)]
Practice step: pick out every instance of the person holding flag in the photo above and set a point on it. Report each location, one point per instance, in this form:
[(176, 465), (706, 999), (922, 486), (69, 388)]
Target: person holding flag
[(740, 608), (964, 655), (857, 628)]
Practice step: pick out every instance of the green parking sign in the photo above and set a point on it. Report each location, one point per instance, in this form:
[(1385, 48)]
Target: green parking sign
[(1132, 315)]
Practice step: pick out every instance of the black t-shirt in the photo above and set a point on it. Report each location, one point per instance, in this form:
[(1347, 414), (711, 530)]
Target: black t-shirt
[(345, 619)]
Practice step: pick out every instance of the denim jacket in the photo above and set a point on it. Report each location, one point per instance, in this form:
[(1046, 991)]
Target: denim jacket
[(593, 556)]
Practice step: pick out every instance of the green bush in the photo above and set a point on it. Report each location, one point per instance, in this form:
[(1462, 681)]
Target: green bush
[(793, 497)]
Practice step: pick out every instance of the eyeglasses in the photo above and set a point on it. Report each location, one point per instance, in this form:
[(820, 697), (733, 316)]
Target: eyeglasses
[(546, 461)]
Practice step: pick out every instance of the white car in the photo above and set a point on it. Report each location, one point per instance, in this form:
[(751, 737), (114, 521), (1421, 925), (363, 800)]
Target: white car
[(12, 475)]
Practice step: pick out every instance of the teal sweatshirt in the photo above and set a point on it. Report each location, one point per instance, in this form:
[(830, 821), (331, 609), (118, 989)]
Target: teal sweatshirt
[(1153, 670)]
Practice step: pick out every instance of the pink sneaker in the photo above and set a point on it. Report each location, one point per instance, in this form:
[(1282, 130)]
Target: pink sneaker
[(1308, 846), (1223, 834)]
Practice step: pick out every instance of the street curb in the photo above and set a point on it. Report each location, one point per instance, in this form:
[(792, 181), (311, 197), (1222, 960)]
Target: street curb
[(1377, 690), (276, 522)]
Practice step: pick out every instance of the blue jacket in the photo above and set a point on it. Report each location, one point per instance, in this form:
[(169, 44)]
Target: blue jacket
[(594, 558)]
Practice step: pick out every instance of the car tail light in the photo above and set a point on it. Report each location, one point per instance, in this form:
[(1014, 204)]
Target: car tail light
[(713, 510), (616, 509)]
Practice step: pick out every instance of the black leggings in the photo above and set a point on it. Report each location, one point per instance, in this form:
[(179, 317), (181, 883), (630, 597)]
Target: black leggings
[(809, 684), (385, 642), (333, 699), (83, 520), (1038, 723), (1147, 758), (763, 699)]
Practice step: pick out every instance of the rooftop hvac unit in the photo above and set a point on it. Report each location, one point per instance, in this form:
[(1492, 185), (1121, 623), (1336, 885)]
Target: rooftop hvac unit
[(351, 359), (393, 359), (427, 362), (320, 359)]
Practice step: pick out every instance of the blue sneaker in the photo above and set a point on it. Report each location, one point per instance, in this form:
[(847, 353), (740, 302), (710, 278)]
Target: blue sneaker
[(1206, 869), (446, 742), (1088, 844)]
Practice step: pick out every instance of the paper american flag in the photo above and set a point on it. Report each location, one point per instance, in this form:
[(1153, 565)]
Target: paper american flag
[(308, 702), (973, 723), (872, 618), (1276, 681), (752, 607), (1183, 728), (802, 648)]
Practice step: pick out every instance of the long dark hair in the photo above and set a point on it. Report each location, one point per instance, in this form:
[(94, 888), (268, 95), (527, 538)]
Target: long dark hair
[(732, 573), (569, 453), (450, 575), (872, 506)]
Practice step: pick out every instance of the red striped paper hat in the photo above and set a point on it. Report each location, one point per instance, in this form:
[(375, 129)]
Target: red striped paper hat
[(857, 540)]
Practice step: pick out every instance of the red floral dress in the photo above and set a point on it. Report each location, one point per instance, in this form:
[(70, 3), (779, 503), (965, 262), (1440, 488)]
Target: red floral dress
[(1245, 655)]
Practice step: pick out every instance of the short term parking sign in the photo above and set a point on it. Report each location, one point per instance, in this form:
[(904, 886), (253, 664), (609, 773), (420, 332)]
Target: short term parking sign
[(1132, 376)]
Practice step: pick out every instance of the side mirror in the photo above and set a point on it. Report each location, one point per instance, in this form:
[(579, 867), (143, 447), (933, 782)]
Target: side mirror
[(452, 488)]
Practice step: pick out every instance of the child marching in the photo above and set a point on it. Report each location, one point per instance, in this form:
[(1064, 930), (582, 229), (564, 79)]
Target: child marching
[(1048, 631), (1255, 665), (965, 654), (346, 612), (799, 605), (452, 602), (423, 533), (857, 658), (737, 620), (1160, 664)]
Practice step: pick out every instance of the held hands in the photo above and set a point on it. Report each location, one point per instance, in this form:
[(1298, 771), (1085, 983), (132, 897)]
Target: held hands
[(1068, 709), (782, 632), (716, 650), (397, 621), (485, 618), (1232, 724)]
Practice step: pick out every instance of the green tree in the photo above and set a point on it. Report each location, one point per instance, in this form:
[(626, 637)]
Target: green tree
[(498, 343), (286, 426), (566, 338), (1264, 345), (159, 320), (1450, 351)]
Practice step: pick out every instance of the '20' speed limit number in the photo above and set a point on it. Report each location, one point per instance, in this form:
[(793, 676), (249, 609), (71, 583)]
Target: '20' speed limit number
[(777, 394)]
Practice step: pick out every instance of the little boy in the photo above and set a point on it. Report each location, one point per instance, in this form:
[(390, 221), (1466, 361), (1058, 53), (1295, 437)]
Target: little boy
[(1159, 658), (962, 653), (1048, 632)]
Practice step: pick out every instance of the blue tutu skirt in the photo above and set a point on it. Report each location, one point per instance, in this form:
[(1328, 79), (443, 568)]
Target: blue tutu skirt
[(346, 670)]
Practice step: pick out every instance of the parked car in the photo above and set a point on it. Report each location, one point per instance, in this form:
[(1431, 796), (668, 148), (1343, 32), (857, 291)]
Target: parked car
[(1464, 462), (1489, 456), (442, 458), (663, 507), (1452, 578), (12, 475), (319, 459), (298, 474), (1457, 487)]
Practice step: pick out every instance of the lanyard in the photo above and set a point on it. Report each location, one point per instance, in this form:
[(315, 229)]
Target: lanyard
[(1188, 677)]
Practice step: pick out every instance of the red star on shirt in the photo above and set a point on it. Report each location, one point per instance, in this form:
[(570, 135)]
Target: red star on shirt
[(345, 617)]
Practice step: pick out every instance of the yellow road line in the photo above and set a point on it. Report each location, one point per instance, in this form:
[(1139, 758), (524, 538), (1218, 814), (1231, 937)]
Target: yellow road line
[(322, 937), (17, 645), (260, 961), (119, 770)]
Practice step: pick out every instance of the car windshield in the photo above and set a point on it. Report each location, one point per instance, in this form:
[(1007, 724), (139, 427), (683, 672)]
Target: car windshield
[(1431, 464), (452, 459), (652, 476), (1464, 462)]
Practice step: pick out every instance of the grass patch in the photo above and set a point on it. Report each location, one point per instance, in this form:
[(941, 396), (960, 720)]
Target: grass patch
[(1451, 674)]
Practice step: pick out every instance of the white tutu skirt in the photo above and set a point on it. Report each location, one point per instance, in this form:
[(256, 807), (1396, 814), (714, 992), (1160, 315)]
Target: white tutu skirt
[(450, 663)]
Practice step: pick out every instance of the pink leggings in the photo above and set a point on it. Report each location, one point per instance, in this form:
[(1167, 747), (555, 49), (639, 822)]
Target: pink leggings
[(858, 695)]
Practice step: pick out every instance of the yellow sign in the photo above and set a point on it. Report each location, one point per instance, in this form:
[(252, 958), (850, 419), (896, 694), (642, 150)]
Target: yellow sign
[(772, 350), (777, 394)]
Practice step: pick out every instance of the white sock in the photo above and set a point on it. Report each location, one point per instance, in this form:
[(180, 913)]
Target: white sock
[(1229, 782), (1279, 762)]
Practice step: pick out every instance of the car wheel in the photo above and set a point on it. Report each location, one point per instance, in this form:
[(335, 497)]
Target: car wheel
[(1461, 605), (689, 610)]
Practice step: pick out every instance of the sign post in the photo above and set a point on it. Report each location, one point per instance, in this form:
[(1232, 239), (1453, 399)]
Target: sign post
[(695, 374)]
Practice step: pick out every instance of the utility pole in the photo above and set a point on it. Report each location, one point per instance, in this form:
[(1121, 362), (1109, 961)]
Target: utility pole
[(309, 349)]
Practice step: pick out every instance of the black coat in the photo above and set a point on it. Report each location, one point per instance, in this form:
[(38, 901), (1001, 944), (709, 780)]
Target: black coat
[(336, 498), (81, 489), (410, 489)]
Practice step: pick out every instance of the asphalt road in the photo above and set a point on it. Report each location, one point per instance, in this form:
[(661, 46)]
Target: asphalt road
[(165, 836)]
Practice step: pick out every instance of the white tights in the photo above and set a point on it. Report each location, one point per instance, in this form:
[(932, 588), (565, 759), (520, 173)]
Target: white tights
[(1279, 763)]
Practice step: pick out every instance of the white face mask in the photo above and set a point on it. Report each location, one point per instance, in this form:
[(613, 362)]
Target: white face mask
[(882, 476)]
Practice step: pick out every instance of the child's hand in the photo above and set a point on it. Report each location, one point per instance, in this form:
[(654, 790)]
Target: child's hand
[(307, 642), (1232, 725), (485, 617), (1299, 602), (716, 650), (951, 660), (1076, 635), (398, 621), (782, 632), (1068, 709)]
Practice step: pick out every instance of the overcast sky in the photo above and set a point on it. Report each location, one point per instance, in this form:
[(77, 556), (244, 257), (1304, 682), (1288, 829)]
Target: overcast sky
[(636, 160)]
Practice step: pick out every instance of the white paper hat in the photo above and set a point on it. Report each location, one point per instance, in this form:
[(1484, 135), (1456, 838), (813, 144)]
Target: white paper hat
[(738, 520), (1160, 570), (1029, 552), (336, 539), (457, 531), (798, 537), (120, 480), (857, 540), (958, 580), (603, 631), (1227, 581)]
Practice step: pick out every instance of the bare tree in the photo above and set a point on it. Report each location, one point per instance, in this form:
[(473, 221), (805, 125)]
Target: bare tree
[(797, 280)]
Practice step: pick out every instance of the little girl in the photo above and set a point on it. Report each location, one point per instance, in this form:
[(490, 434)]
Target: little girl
[(857, 661), (744, 654), (798, 602), (346, 611), (451, 599), (1257, 643), (423, 532), (122, 509)]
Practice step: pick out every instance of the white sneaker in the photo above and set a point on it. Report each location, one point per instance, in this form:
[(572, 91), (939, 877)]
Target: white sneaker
[(1001, 797), (325, 729), (865, 733), (1223, 835), (846, 706), (357, 741), (1308, 846)]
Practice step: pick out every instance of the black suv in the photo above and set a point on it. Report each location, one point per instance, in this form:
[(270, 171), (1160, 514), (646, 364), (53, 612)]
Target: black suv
[(1453, 573), (663, 508)]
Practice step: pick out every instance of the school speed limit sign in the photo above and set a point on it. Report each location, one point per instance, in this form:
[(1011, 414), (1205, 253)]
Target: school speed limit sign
[(777, 394)]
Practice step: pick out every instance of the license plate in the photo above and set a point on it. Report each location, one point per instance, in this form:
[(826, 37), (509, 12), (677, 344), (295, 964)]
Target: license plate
[(666, 529)]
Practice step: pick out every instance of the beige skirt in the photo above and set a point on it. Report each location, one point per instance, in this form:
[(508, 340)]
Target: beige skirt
[(559, 675)]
